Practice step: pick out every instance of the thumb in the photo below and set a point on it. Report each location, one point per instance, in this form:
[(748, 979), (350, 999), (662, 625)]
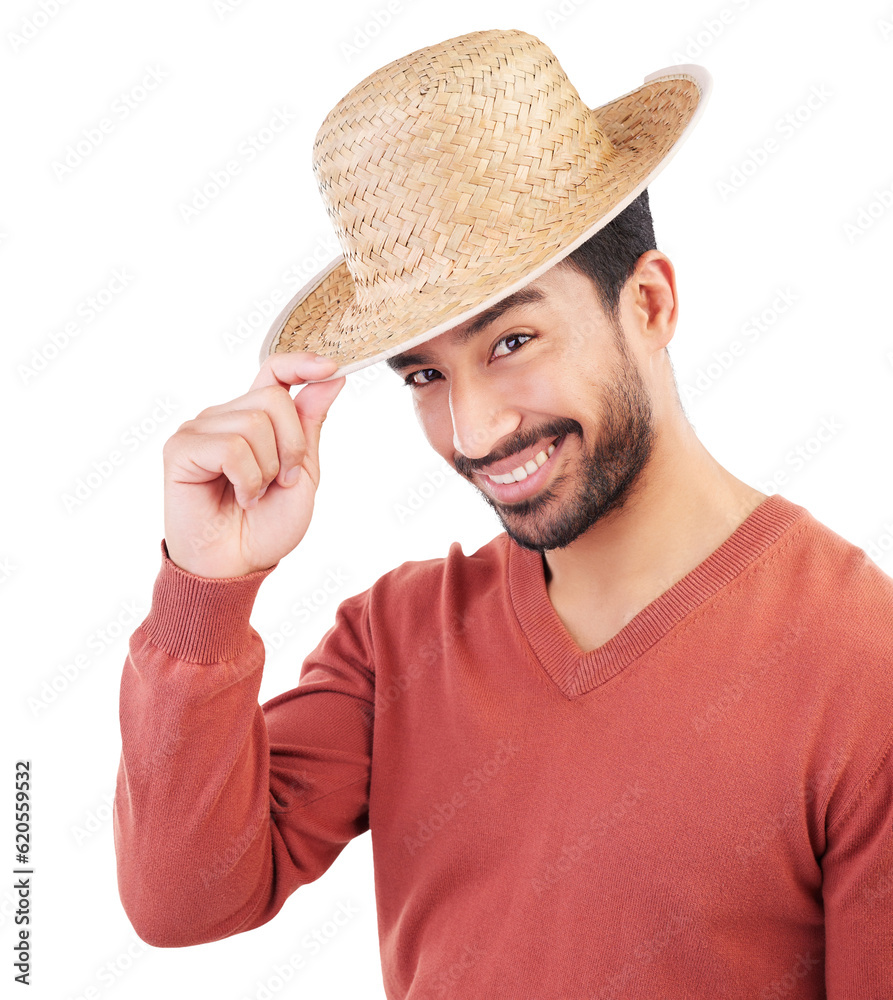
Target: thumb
[(312, 403)]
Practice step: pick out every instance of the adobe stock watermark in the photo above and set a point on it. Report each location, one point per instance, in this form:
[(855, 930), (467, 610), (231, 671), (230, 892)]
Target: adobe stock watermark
[(257, 318), (222, 861), (600, 824), (644, 954), (473, 782), (87, 310), (804, 965), (94, 135), (877, 888), (223, 8), (445, 981), (169, 743), (426, 656), (880, 547), (95, 819), (359, 381), (130, 441), (799, 457), (423, 491), (312, 945), (41, 16), (787, 126), (885, 26), (7, 569), (761, 836), (735, 689), (206, 192), (869, 213), (708, 31), (558, 13), (372, 25), (307, 606), (211, 530), (119, 627), (748, 334), (111, 972)]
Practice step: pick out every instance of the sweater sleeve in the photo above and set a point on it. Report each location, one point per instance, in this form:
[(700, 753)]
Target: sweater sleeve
[(223, 807), (857, 887)]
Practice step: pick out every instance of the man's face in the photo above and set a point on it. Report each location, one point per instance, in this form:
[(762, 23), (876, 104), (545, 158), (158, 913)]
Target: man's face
[(540, 406)]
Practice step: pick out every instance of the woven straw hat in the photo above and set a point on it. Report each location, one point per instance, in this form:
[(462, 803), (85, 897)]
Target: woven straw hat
[(458, 174)]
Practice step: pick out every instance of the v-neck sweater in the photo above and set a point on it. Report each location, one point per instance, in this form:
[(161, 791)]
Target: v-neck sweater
[(577, 672), (701, 806)]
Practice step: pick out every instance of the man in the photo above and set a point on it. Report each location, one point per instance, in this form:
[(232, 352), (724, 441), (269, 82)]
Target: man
[(639, 744)]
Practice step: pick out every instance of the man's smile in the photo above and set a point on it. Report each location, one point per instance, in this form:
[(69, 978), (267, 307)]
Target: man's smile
[(521, 478)]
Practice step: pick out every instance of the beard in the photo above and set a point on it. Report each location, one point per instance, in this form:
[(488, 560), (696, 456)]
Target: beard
[(605, 474)]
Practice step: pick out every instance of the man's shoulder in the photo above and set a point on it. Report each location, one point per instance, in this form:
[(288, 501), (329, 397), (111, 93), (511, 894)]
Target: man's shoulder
[(831, 558), (456, 577), (848, 598)]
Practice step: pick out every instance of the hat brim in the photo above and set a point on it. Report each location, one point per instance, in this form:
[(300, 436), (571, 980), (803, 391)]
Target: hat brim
[(646, 126)]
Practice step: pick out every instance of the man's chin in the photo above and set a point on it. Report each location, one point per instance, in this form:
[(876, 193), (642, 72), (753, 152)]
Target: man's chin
[(529, 525), (546, 541)]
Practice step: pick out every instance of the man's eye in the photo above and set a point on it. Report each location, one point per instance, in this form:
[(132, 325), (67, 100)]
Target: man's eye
[(415, 378), (519, 338), (508, 345)]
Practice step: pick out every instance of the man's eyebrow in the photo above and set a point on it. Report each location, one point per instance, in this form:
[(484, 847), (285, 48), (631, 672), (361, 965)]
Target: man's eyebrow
[(529, 293)]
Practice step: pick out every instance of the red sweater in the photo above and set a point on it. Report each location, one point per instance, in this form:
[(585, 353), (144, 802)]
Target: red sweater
[(701, 807)]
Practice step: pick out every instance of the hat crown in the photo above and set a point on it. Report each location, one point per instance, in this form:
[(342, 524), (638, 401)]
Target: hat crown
[(442, 157), (459, 174)]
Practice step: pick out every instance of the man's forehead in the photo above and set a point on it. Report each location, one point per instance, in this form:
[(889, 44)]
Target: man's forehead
[(534, 292)]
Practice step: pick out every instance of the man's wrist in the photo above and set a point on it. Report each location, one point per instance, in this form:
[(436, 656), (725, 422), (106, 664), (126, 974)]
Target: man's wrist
[(199, 619)]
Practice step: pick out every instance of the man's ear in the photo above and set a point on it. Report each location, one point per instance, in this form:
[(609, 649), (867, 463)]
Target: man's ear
[(651, 301)]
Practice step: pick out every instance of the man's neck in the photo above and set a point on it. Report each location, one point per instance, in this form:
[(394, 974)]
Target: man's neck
[(684, 507)]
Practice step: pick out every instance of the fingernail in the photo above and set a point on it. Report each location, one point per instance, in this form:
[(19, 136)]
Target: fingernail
[(317, 360), (291, 477)]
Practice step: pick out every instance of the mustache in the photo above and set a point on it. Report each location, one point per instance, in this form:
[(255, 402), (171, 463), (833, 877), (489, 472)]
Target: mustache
[(521, 441)]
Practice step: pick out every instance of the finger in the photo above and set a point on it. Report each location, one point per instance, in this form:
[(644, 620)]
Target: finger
[(260, 429), (290, 368), (280, 449), (210, 456)]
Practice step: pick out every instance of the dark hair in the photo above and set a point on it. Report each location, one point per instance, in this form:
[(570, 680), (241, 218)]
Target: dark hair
[(609, 257)]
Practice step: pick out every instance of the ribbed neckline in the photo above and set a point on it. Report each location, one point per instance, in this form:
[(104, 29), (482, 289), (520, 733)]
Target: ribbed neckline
[(577, 672)]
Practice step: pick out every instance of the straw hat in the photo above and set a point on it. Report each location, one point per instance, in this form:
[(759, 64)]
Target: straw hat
[(460, 173)]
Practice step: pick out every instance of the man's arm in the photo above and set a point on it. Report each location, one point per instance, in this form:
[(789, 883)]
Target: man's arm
[(223, 808), (857, 869)]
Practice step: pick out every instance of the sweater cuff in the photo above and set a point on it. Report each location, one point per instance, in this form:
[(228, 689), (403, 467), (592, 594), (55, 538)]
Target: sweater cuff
[(198, 619)]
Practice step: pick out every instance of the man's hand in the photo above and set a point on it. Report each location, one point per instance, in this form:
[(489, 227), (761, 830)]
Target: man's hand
[(240, 479)]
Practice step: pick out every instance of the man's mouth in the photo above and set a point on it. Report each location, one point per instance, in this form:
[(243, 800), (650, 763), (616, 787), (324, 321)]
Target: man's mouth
[(523, 471), (519, 483)]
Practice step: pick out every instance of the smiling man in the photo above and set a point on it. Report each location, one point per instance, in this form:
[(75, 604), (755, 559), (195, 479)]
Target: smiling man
[(473, 402), (639, 744)]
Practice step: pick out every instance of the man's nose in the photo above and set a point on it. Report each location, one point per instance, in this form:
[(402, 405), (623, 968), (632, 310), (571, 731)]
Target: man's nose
[(481, 417)]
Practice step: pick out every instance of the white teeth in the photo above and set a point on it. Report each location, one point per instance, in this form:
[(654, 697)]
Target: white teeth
[(523, 471)]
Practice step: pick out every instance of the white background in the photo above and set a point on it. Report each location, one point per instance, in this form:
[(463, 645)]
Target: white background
[(77, 578)]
